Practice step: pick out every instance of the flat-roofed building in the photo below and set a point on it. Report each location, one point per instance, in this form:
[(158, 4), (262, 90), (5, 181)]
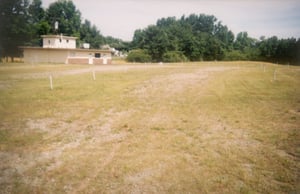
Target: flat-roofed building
[(62, 49)]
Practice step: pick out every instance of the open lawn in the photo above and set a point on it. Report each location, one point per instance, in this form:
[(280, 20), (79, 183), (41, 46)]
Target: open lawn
[(218, 127)]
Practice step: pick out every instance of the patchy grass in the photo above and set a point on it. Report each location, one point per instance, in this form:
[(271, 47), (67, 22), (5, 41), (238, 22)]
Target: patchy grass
[(222, 127)]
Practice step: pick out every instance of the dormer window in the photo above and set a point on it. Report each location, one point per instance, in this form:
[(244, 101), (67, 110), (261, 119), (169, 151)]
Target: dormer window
[(67, 40)]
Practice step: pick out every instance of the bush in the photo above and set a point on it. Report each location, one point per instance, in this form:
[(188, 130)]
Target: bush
[(235, 55), (140, 56), (174, 56)]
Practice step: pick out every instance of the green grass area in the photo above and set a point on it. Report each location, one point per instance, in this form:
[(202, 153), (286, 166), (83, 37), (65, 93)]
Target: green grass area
[(222, 127)]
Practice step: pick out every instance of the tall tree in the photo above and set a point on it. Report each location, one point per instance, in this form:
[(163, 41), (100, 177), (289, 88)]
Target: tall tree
[(39, 26), (157, 42), (90, 34), (67, 16), (223, 34), (268, 48), (14, 29), (243, 41), (36, 11), (198, 37), (280, 50), (138, 40)]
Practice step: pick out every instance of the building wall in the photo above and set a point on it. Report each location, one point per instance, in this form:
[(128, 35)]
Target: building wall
[(65, 56), (102, 61), (45, 56), (78, 61), (81, 53), (59, 42)]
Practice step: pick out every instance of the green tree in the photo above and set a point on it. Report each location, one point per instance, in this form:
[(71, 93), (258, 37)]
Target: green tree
[(37, 13), (67, 16), (268, 48), (117, 43), (235, 55), (15, 28), (214, 50), (280, 50), (246, 46), (138, 55), (223, 34), (90, 34), (39, 26), (198, 37), (174, 56), (138, 40), (193, 46), (201, 23), (157, 42), (297, 53), (243, 41)]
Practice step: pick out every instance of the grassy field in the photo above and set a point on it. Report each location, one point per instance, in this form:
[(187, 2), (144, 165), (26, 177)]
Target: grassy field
[(183, 128)]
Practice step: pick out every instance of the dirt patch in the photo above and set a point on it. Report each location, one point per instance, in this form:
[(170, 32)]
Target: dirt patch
[(5, 84), (108, 159), (138, 182), (60, 137), (169, 85)]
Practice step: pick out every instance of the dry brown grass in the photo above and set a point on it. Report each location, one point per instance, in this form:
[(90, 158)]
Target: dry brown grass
[(183, 128)]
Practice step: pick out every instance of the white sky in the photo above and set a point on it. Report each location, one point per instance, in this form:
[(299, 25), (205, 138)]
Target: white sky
[(120, 18)]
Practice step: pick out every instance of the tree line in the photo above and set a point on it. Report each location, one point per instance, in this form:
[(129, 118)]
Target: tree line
[(188, 38), (203, 37), (22, 22)]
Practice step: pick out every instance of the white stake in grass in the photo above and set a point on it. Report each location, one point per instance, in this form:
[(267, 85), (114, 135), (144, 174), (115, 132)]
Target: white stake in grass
[(51, 82)]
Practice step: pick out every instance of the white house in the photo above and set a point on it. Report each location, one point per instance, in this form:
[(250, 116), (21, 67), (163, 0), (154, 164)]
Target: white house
[(62, 49)]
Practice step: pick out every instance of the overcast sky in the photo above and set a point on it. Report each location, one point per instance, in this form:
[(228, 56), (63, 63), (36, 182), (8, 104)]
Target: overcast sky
[(120, 18)]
